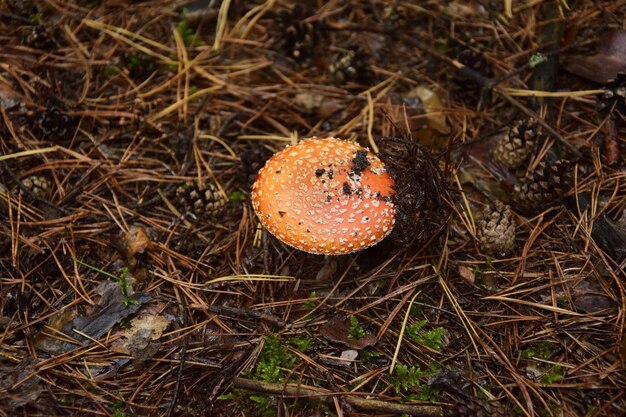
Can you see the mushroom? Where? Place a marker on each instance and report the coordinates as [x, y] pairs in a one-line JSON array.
[[325, 196]]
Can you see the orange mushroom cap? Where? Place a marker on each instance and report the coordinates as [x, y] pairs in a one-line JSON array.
[[325, 196]]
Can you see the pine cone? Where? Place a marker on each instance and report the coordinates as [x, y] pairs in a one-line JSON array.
[[40, 186], [395, 17], [349, 65], [542, 187], [496, 230], [518, 143], [54, 124], [613, 100], [40, 38], [296, 38], [202, 199]]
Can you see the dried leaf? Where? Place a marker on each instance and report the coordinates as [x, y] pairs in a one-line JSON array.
[[433, 107], [19, 384], [467, 274], [137, 240], [327, 270], [465, 9], [109, 311], [349, 355], [609, 60], [337, 330], [144, 329], [590, 303], [9, 98]]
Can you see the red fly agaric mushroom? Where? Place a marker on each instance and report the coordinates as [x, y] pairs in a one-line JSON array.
[[325, 196]]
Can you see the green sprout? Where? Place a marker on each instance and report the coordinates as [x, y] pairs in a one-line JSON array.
[[237, 197], [36, 18], [122, 279], [187, 33]]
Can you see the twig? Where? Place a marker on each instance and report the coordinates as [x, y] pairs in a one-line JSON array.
[[378, 406]]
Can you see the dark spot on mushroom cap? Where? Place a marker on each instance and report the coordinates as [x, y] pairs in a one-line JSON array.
[[319, 172], [281, 213], [360, 162], [346, 188], [330, 174]]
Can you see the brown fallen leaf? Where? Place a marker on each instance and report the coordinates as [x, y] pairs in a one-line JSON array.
[[9, 98], [433, 107], [137, 240], [19, 384], [337, 330], [144, 329], [608, 61], [106, 314], [467, 274]]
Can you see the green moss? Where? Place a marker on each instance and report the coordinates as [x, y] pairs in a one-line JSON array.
[[432, 338], [554, 375], [118, 409], [356, 332], [541, 350], [310, 303], [369, 356], [301, 343], [110, 71], [237, 197], [274, 360], [187, 33], [405, 379]]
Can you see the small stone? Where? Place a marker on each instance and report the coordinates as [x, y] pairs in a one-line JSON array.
[[496, 230], [295, 36]]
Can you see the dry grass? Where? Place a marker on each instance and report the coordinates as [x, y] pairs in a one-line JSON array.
[[116, 108]]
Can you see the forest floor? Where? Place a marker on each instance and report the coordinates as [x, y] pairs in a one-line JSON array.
[[135, 278]]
